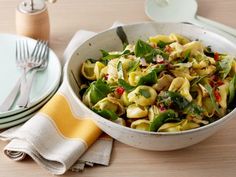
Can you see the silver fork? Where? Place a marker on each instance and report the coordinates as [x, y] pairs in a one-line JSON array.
[[40, 57], [22, 61]]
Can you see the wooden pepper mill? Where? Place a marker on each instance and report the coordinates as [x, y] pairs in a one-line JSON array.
[[32, 20]]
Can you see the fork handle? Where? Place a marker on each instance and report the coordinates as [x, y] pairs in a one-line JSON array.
[[25, 92], [9, 100]]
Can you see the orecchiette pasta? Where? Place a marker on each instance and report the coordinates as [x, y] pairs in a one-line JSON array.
[[88, 70], [143, 95], [136, 111], [176, 127], [120, 121], [158, 38], [111, 104], [141, 124], [194, 47], [179, 38], [134, 77], [153, 112], [97, 69], [181, 85]]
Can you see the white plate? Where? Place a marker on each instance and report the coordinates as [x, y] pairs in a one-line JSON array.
[[21, 115], [16, 122], [44, 83]]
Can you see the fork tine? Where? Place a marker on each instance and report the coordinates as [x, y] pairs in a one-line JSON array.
[[33, 53], [27, 49], [20, 51], [24, 51], [38, 51], [41, 50], [17, 55], [43, 54]]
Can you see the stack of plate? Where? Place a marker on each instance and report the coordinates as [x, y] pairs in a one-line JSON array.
[[44, 86]]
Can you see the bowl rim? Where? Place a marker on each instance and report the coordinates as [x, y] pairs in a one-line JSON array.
[[84, 107]]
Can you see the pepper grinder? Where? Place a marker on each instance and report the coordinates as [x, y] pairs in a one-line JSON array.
[[32, 20]]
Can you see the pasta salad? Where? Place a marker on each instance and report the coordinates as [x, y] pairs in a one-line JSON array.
[[166, 84]]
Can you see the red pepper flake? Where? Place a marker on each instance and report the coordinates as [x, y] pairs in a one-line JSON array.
[[217, 95], [120, 90], [160, 59], [106, 76], [162, 108], [214, 78], [212, 83], [219, 82], [216, 56], [168, 49], [216, 81]]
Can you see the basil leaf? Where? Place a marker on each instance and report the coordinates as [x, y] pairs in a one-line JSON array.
[[145, 93], [177, 101], [186, 56], [224, 66], [232, 89], [149, 79], [193, 109], [163, 44], [82, 91], [197, 80], [98, 90], [125, 85], [133, 66], [104, 53], [120, 70], [159, 69], [107, 114], [161, 118], [144, 50], [212, 97], [107, 56], [208, 52]]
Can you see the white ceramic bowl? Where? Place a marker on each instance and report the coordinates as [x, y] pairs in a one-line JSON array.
[[109, 41]]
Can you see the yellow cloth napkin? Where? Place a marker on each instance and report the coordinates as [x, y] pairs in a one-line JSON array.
[[56, 137]]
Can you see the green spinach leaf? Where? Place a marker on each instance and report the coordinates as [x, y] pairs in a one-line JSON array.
[[197, 80], [177, 101], [163, 44], [212, 97], [98, 90], [232, 89], [149, 79], [161, 118], [107, 114], [106, 56], [145, 93], [208, 52], [125, 85], [224, 66], [144, 50], [133, 65]]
